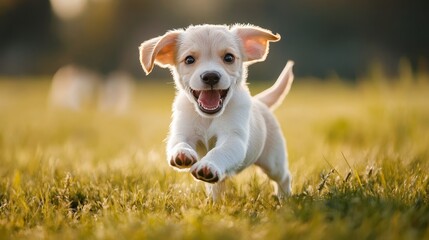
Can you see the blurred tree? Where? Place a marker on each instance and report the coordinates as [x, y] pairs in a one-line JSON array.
[[323, 37]]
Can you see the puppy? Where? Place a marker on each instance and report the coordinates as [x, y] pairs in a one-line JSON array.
[[218, 129]]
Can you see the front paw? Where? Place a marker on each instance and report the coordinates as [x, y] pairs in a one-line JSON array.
[[206, 172], [183, 158]]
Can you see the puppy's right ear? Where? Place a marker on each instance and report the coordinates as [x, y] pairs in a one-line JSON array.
[[160, 51]]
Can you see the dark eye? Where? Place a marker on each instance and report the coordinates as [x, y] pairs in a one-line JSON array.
[[189, 60], [228, 58]]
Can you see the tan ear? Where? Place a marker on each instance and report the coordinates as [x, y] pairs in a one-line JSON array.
[[255, 42], [160, 50]]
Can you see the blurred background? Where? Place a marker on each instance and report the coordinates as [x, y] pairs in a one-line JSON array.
[[325, 38]]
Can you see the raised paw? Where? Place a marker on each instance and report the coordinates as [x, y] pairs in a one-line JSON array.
[[183, 159], [206, 172]]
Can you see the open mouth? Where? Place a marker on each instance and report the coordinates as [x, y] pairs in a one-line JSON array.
[[210, 101]]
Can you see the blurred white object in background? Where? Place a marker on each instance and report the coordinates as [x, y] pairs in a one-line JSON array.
[[116, 93], [68, 9], [74, 88]]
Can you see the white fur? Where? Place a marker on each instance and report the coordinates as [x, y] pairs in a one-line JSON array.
[[244, 132]]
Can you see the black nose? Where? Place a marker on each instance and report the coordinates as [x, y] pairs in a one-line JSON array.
[[210, 77]]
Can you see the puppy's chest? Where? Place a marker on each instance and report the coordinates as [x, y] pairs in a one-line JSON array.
[[206, 137], [203, 148]]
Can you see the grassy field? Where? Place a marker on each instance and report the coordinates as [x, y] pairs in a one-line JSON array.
[[359, 155]]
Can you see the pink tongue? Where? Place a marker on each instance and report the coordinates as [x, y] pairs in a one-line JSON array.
[[209, 99]]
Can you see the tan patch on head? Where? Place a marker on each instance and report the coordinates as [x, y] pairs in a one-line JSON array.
[[207, 41]]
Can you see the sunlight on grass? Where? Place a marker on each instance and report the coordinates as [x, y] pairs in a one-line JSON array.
[[358, 154]]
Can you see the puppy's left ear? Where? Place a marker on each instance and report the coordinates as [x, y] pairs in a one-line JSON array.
[[255, 42], [160, 50]]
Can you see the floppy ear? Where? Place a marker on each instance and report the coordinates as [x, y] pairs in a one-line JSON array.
[[160, 50], [255, 42]]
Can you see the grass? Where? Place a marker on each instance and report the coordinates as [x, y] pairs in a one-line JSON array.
[[358, 153]]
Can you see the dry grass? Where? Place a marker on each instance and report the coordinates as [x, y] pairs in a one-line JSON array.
[[358, 153]]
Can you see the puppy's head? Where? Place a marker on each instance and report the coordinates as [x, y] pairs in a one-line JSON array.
[[208, 62]]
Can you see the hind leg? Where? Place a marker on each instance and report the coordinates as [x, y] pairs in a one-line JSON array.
[[281, 177], [274, 163], [282, 185], [216, 191]]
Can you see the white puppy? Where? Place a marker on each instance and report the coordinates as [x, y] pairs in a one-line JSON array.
[[218, 129]]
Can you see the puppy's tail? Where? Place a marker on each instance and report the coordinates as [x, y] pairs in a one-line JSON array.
[[274, 96]]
